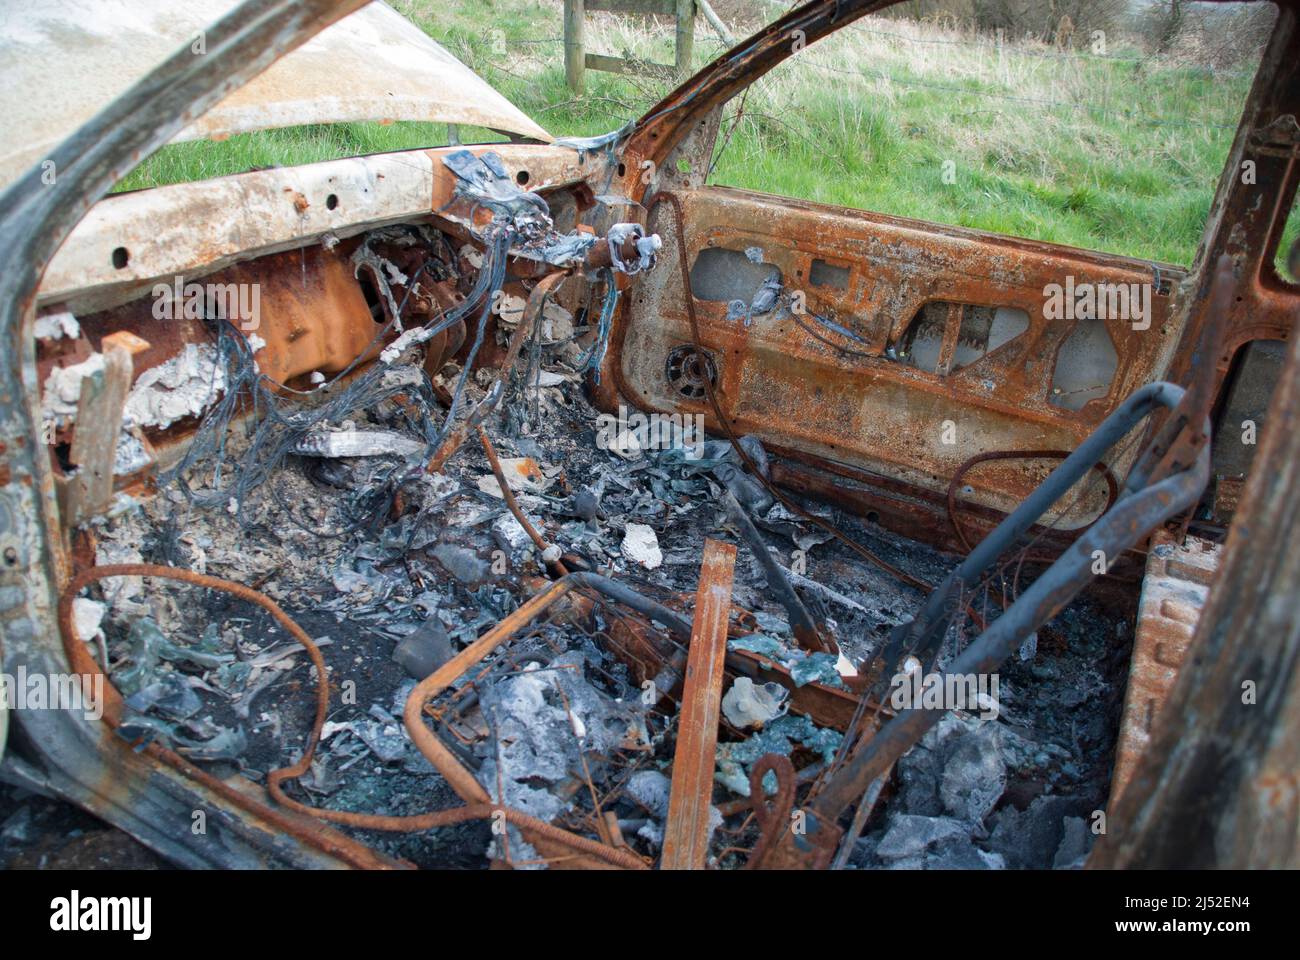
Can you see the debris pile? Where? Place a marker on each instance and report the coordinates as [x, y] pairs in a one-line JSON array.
[[412, 513], [558, 725]]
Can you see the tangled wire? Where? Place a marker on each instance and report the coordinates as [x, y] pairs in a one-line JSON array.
[[280, 420]]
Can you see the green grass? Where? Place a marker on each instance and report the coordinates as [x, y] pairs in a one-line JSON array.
[[1118, 153], [201, 159]]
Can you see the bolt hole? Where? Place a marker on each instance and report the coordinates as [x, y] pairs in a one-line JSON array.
[[873, 517], [521, 177], [622, 169], [121, 257], [331, 201]]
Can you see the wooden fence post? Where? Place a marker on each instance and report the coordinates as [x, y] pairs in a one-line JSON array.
[[575, 12], [685, 37], [577, 60]]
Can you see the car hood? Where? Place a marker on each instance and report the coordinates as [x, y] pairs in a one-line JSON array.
[[61, 61]]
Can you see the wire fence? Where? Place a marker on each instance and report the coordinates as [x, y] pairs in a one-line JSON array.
[[993, 44], [990, 46]]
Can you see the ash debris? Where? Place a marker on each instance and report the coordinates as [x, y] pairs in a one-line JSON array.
[[394, 570]]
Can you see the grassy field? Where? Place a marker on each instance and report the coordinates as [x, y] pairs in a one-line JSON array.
[[1118, 152]]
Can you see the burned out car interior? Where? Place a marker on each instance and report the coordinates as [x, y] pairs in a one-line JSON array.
[[541, 504]]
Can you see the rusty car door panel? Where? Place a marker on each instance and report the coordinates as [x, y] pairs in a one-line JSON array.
[[839, 381]]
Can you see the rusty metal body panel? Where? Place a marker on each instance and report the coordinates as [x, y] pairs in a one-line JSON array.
[[848, 401], [191, 229], [372, 65], [312, 316], [686, 832]]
